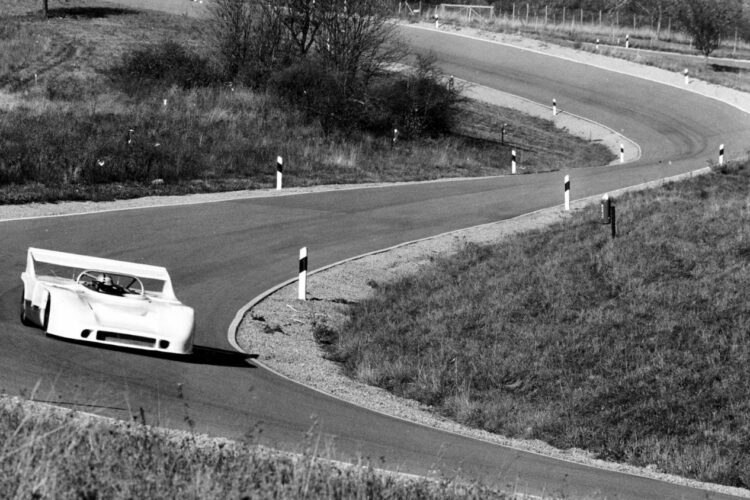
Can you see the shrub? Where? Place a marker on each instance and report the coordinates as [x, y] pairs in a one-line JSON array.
[[419, 104], [167, 63], [319, 91]]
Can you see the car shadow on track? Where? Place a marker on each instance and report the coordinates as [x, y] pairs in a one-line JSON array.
[[219, 357]]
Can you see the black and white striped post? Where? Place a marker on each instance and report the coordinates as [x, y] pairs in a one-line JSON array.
[[687, 77], [279, 171], [721, 154], [627, 41], [554, 107], [567, 192], [302, 293], [605, 205], [622, 153], [513, 161]]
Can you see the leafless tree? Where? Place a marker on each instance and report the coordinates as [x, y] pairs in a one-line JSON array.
[[357, 39], [233, 31], [301, 18]]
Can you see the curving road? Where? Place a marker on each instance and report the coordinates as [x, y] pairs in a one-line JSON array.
[[222, 254]]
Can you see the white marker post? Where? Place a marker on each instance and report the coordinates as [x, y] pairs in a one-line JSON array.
[[554, 107], [279, 171], [597, 45], [687, 77], [567, 193], [513, 161], [627, 41], [721, 155], [622, 153], [302, 274], [437, 22]]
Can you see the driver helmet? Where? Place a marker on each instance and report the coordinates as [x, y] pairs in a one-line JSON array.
[[105, 279]]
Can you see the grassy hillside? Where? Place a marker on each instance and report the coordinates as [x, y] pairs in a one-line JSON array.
[[635, 348], [74, 127]]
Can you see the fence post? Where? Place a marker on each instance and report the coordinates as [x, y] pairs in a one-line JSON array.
[[302, 292]]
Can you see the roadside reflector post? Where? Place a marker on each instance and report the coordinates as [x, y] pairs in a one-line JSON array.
[[613, 218], [554, 107], [502, 134], [395, 138], [627, 41], [605, 206], [437, 21], [597, 45], [721, 155], [279, 171], [622, 153], [687, 77], [567, 192], [513, 161], [302, 294]]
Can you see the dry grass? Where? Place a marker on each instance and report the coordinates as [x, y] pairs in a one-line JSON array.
[[48, 453], [633, 348]]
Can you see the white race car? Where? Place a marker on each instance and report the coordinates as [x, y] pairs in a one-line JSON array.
[[105, 301]]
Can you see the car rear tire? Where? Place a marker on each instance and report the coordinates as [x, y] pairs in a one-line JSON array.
[[45, 323], [24, 318]]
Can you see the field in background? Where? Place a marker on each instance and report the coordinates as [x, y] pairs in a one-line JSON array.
[[634, 348], [66, 131], [674, 48]]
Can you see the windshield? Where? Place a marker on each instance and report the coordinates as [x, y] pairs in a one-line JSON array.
[[110, 283]]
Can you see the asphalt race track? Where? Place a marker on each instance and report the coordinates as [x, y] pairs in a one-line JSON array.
[[221, 255]]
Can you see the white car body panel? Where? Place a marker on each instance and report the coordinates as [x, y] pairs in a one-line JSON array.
[[150, 319]]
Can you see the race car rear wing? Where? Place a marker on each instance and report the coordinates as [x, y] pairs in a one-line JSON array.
[[99, 264]]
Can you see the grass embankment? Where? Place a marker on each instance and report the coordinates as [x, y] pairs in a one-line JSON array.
[[635, 348], [672, 45], [66, 133], [54, 454]]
